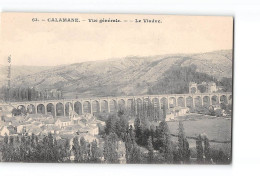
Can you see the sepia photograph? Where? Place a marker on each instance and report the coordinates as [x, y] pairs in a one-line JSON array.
[[116, 88]]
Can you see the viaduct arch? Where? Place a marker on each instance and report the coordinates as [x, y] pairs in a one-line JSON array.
[[113, 104]]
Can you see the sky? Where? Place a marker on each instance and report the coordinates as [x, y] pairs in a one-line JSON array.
[[46, 43]]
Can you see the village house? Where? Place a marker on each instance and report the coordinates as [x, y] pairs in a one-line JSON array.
[[49, 122], [21, 128], [90, 129], [34, 130], [7, 130], [121, 152], [63, 122], [172, 113], [220, 112], [36, 123], [89, 119], [53, 129], [6, 111], [4, 131], [72, 128]]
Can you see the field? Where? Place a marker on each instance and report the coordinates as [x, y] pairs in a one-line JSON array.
[[215, 128]]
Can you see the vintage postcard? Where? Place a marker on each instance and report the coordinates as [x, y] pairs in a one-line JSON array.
[[116, 88]]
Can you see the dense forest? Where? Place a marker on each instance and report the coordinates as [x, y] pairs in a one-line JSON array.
[[176, 81]]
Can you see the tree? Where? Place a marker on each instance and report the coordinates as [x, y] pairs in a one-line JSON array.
[[133, 152], [122, 127], [95, 152], [164, 112], [5, 149], [199, 149], [219, 157], [83, 150], [168, 149], [207, 150], [110, 148], [161, 134], [30, 149], [202, 88], [135, 155], [16, 112], [128, 147], [150, 150], [121, 111], [16, 149], [76, 149], [183, 145], [111, 124], [131, 133], [57, 155], [67, 150], [138, 131], [176, 80], [227, 84], [23, 148], [223, 106], [163, 127], [51, 153]]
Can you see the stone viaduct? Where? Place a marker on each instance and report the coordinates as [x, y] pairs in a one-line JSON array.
[[112, 104]]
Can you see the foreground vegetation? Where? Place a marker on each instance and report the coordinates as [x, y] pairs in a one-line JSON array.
[[143, 143]]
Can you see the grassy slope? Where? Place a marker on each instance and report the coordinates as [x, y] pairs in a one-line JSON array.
[[129, 76]]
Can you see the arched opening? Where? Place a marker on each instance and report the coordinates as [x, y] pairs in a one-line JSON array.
[[198, 102], [206, 101], [86, 107], [189, 102], [121, 104], [164, 103], [148, 108], [172, 102], [223, 99], [181, 102], [95, 105], [155, 102], [22, 109], [78, 108], [40, 109], [113, 106], [59, 109], [68, 108], [139, 105], [146, 104], [51, 109], [130, 106], [156, 105], [31, 109], [224, 102], [104, 106], [214, 100]]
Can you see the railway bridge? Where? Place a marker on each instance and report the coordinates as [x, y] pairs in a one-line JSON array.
[[112, 104]]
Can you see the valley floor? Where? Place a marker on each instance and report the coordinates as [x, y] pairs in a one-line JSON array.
[[215, 128]]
